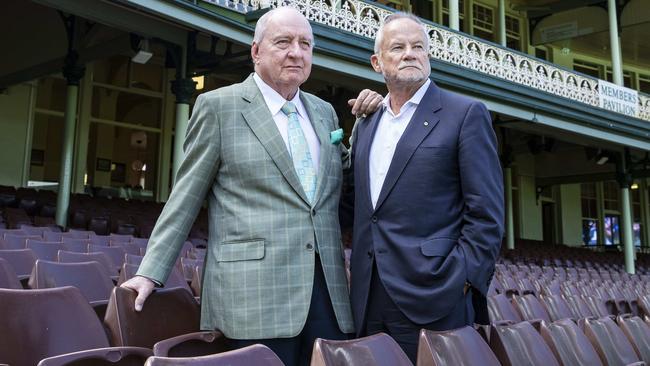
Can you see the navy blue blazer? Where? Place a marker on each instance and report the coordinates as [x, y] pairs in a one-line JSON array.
[[439, 218]]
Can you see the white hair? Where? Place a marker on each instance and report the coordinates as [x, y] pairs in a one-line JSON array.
[[260, 27], [395, 16]]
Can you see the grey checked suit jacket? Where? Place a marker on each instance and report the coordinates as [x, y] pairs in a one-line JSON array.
[[259, 265]]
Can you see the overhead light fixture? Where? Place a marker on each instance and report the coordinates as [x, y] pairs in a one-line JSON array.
[[143, 54], [200, 82], [634, 186]]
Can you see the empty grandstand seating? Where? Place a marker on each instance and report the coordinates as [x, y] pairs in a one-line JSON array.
[[256, 354], [462, 346]]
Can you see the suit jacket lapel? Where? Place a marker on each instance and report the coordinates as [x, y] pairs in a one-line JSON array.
[[259, 119], [364, 155], [319, 124], [421, 124]]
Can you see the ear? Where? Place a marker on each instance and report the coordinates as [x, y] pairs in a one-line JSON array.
[[376, 64], [255, 52]]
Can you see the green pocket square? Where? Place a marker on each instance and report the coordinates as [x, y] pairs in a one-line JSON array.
[[336, 136]]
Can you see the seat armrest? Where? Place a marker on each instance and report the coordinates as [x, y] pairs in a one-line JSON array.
[[162, 348], [112, 354]]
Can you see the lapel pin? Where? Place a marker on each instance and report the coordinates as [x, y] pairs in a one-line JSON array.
[[426, 123]]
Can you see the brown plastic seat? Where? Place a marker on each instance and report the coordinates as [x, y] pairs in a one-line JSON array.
[[197, 283], [52, 322], [257, 354], [18, 241], [520, 344], [22, 261], [34, 230], [188, 265], [104, 240], [75, 244], [531, 309], [8, 278], [609, 341], [175, 279], [127, 247], [90, 278], [191, 345], [144, 329], [500, 308], [556, 307], [122, 238], [52, 236], [65, 256], [578, 307], [569, 343], [375, 350], [463, 346], [80, 234], [598, 307], [133, 259], [44, 249], [638, 333], [115, 253], [644, 304]]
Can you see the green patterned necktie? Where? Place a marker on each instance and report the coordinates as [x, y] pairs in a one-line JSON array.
[[299, 150]]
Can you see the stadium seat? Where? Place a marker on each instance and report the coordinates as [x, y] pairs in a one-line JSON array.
[[638, 333], [256, 354], [191, 345], [65, 256], [569, 343], [196, 283], [609, 341], [53, 322], [122, 238], [116, 254], [531, 309], [13, 241], [90, 278], [500, 308], [599, 307], [53, 236], [44, 249], [556, 307], [520, 344], [22, 260], [375, 350], [104, 240], [79, 234], [133, 259], [188, 265], [75, 245], [463, 346], [8, 278], [578, 307], [144, 329]]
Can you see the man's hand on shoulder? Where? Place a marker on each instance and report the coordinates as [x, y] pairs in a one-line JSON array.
[[143, 286], [367, 102]]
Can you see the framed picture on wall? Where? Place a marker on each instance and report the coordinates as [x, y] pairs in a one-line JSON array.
[[38, 157], [119, 173], [103, 165]]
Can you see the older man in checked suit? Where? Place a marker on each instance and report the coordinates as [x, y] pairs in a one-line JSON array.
[[268, 158]]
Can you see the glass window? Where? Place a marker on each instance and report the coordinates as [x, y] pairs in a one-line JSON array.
[[611, 190], [627, 77], [541, 53], [513, 33], [461, 14], [586, 68], [589, 232], [612, 230], [589, 213], [483, 22], [644, 83]]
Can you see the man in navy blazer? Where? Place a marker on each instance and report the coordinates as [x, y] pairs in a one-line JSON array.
[[428, 199]]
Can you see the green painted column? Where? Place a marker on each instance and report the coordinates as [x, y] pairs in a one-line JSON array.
[[625, 182], [454, 15], [73, 73], [510, 223], [615, 43], [183, 89], [502, 23]]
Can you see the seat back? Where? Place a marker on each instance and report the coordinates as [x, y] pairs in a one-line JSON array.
[[500, 308], [569, 343], [143, 329], [578, 307], [557, 307], [52, 235], [90, 278], [257, 354], [75, 244], [531, 309], [74, 257], [609, 341], [45, 323], [375, 350], [597, 306], [520, 344], [44, 249], [22, 261], [8, 278], [638, 333], [463, 346], [13, 241]]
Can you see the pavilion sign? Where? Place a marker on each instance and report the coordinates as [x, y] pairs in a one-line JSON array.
[[618, 99]]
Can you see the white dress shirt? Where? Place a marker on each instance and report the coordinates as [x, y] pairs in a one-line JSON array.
[[274, 101], [390, 130]]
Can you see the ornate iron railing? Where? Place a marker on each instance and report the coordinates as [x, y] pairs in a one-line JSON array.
[[457, 48]]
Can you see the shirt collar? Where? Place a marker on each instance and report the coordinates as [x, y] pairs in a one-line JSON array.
[[274, 100], [415, 99]]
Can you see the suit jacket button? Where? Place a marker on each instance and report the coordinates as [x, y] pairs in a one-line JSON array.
[[374, 219], [310, 246]]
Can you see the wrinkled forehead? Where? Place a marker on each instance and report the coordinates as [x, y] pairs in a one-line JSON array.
[[289, 23], [403, 30]]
